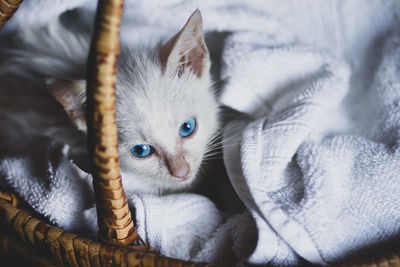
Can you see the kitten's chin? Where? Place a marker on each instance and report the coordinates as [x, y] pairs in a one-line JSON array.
[[178, 184], [134, 184]]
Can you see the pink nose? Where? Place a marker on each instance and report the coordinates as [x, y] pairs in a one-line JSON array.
[[181, 172], [178, 167]]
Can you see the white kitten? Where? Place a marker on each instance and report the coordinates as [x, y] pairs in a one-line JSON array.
[[166, 109]]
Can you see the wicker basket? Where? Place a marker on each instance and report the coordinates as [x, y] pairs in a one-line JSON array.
[[29, 240]]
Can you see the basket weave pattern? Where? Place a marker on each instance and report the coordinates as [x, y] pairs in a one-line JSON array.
[[114, 217], [7, 9], [31, 236]]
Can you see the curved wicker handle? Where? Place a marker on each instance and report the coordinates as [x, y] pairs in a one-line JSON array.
[[114, 217], [37, 242], [7, 10]]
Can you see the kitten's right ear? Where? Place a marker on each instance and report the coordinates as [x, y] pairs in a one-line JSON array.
[[72, 96], [186, 51]]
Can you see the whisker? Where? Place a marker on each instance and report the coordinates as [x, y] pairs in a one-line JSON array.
[[212, 153], [220, 144], [212, 158], [223, 138]]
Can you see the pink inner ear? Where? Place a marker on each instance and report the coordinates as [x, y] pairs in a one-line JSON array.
[[165, 51], [186, 50], [71, 95], [193, 57]]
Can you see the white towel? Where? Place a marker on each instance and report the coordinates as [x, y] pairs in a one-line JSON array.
[[324, 186], [177, 225], [49, 183], [36, 13]]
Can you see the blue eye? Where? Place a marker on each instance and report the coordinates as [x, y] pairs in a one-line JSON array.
[[187, 127], [142, 151]]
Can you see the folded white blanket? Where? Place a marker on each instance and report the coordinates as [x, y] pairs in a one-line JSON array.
[[326, 193], [315, 160]]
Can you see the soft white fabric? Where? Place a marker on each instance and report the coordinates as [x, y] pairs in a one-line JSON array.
[[177, 225], [346, 26], [49, 183], [36, 13], [316, 160], [325, 192], [187, 222]]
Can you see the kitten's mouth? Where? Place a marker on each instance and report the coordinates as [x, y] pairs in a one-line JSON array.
[[187, 177], [181, 179]]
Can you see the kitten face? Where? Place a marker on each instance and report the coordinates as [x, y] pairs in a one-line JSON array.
[[152, 106], [160, 91]]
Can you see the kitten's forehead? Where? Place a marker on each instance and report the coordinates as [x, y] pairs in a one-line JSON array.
[[152, 105]]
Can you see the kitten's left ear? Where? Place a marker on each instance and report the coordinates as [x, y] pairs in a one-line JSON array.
[[72, 96], [187, 49]]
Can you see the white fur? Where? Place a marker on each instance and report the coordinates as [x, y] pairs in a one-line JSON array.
[[151, 105]]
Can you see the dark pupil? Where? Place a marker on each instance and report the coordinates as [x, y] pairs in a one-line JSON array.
[[186, 126], [139, 150]]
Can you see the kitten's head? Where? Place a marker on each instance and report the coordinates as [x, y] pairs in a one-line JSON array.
[[166, 111]]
